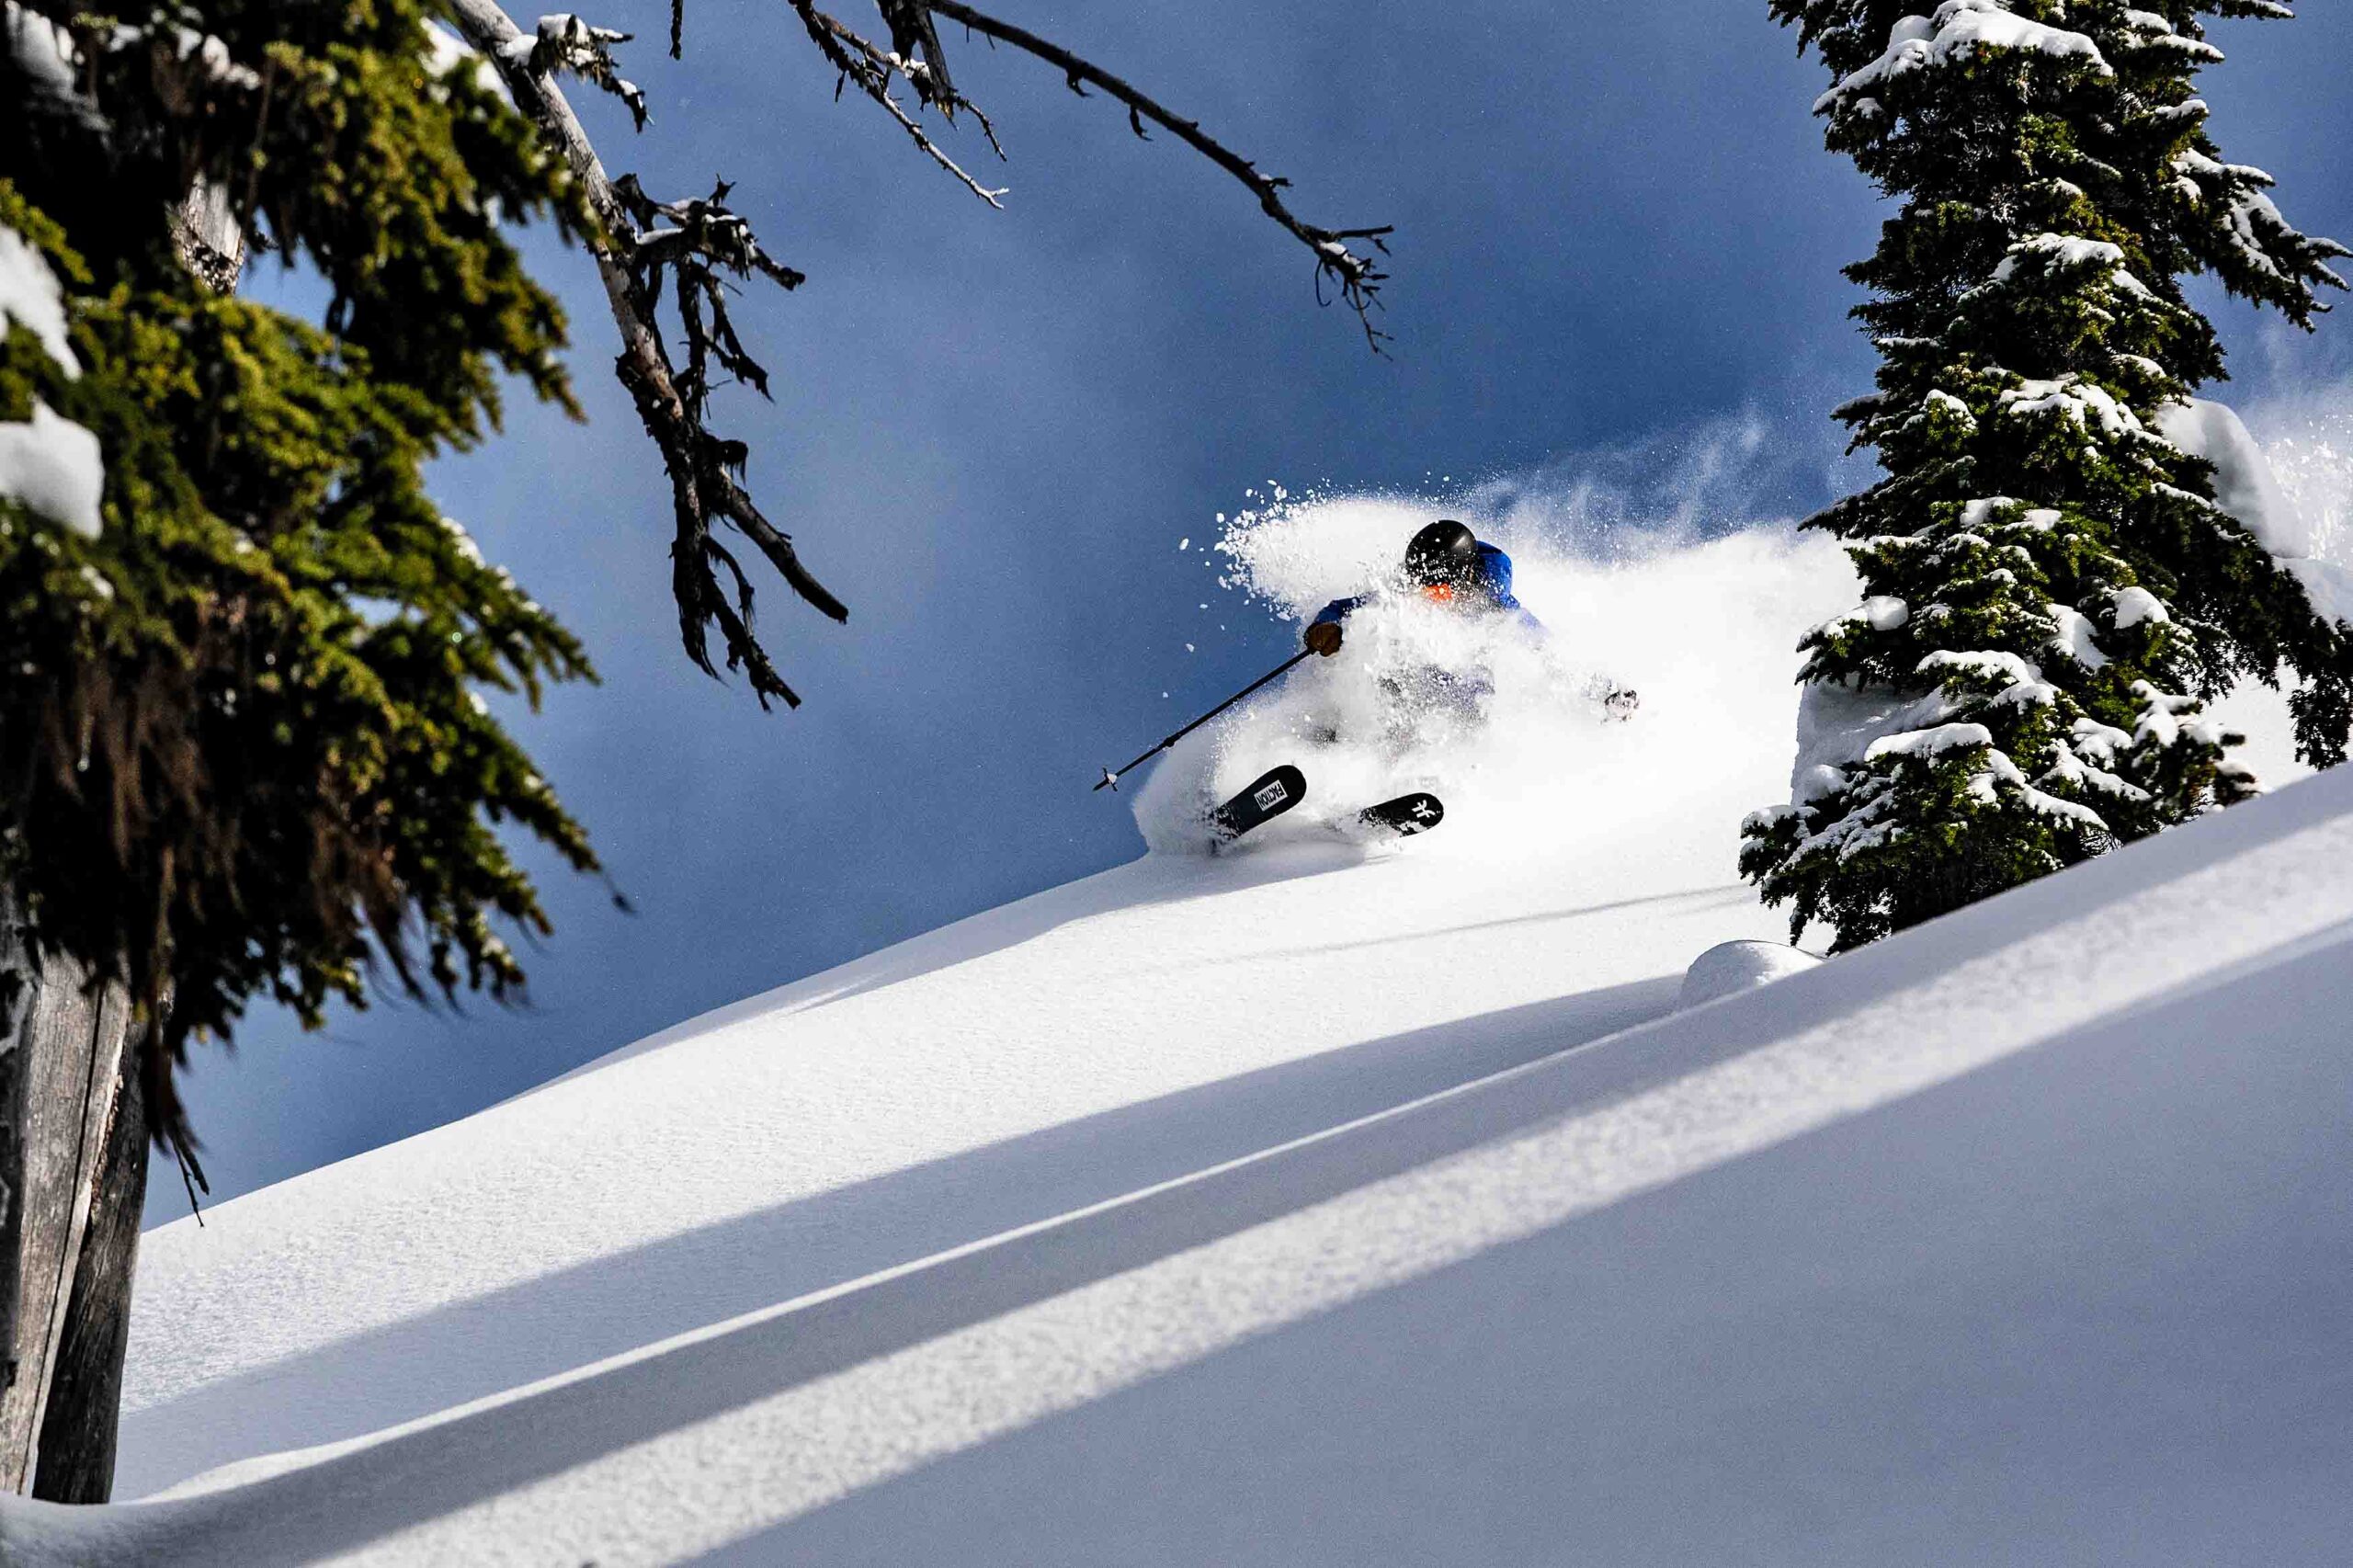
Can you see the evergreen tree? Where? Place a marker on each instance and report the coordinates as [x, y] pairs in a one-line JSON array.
[[2053, 593], [243, 746], [242, 743]]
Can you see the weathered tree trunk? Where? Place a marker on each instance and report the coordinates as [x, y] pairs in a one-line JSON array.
[[69, 1059], [209, 239], [77, 1429], [73, 1147], [17, 978]]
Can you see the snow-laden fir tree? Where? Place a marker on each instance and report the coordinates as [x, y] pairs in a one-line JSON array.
[[2052, 593]]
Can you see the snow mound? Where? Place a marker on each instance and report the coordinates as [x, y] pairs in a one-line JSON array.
[[1729, 968]]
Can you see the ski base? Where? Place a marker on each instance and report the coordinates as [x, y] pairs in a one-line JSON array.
[[1265, 798], [1405, 815]]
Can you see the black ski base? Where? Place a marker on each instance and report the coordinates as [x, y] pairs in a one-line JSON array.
[[1279, 789], [1405, 815], [1268, 797]]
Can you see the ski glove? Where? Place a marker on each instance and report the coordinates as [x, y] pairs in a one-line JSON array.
[[1323, 638]]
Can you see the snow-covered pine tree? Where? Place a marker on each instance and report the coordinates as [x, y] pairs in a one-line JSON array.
[[2052, 593]]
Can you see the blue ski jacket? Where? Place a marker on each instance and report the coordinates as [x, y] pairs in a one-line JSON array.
[[1495, 584]]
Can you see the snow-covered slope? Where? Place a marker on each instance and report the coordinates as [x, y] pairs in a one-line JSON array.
[[1320, 1204], [1123, 1030]]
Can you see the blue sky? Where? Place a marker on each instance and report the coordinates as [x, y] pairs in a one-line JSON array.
[[1617, 230]]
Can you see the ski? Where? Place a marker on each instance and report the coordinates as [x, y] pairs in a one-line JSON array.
[[1405, 815], [1268, 797]]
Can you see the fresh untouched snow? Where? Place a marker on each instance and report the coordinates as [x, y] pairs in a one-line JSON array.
[[1322, 1201]]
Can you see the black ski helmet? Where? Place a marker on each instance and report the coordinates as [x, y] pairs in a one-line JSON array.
[[1445, 551]]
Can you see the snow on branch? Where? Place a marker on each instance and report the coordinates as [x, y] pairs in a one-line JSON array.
[[31, 297], [1959, 33], [56, 468], [2253, 245], [49, 463], [564, 42]]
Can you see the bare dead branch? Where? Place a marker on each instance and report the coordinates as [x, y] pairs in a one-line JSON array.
[[861, 62], [638, 240], [941, 157], [911, 29], [695, 239], [648, 250], [564, 42], [1358, 276]]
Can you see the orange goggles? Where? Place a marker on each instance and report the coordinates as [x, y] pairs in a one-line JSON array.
[[1438, 593]]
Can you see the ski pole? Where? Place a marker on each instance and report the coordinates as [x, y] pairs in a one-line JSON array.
[[1112, 779]]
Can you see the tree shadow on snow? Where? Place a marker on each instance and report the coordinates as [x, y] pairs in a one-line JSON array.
[[606, 1307]]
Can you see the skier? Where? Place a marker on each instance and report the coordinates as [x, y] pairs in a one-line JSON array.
[[1447, 564]]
